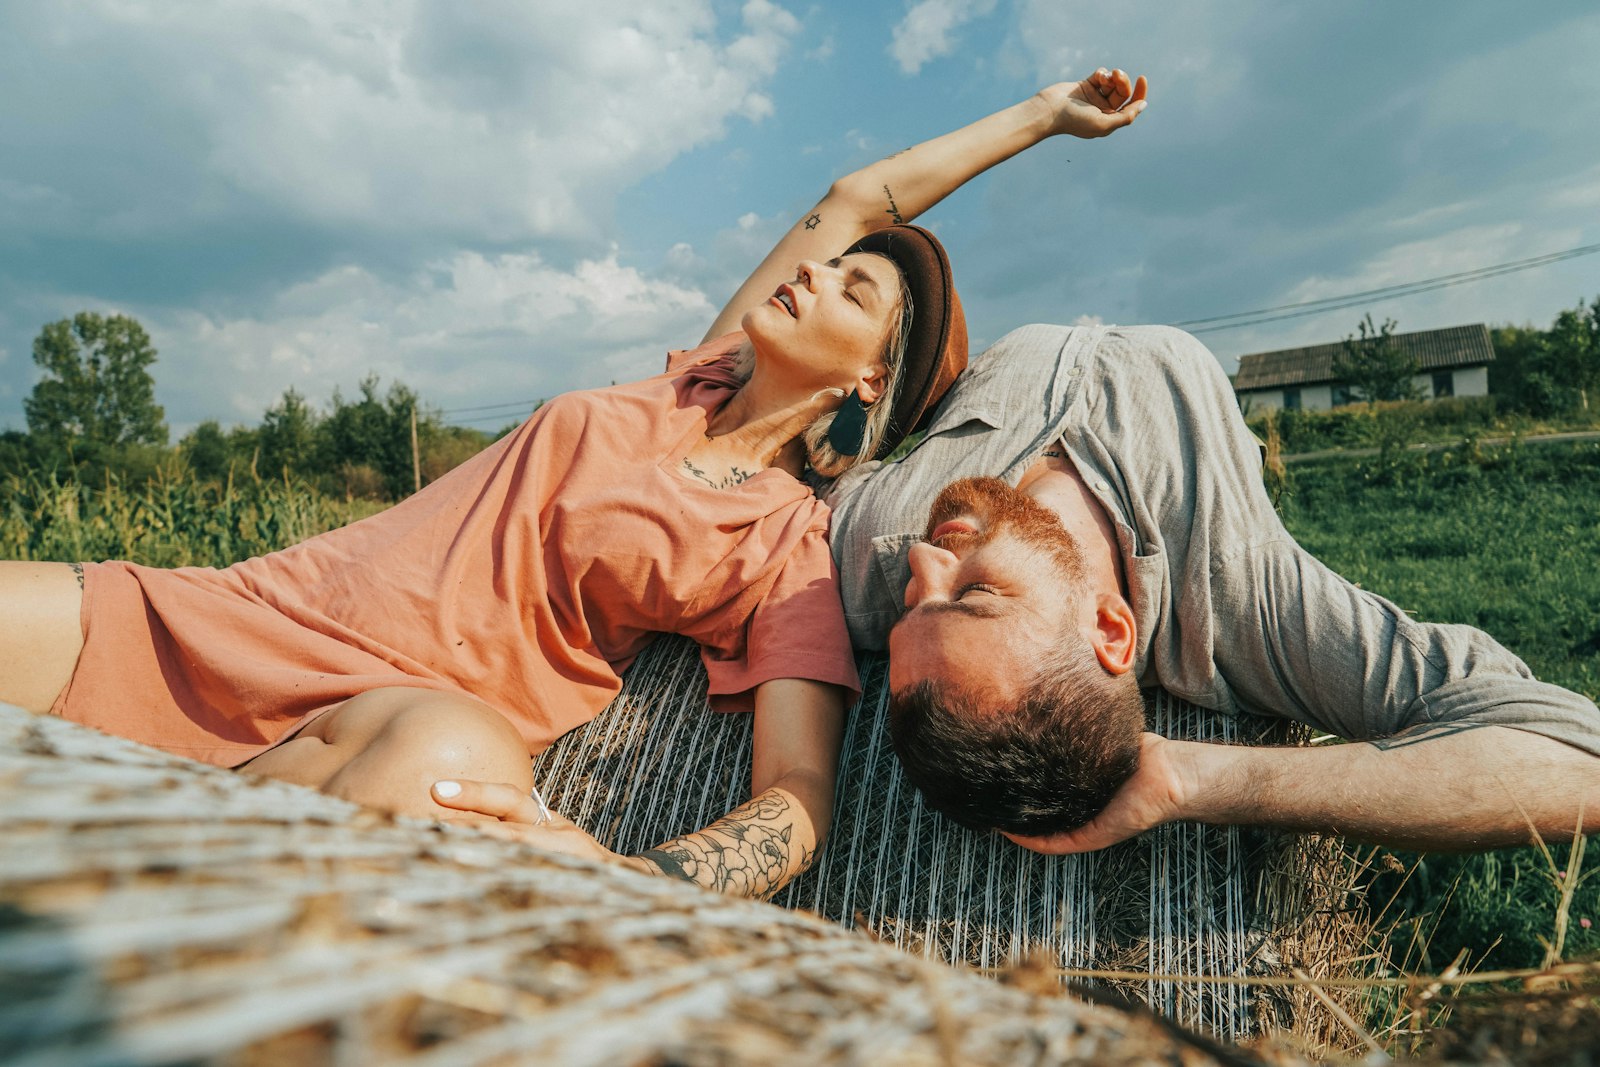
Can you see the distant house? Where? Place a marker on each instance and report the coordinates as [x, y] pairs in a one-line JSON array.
[[1451, 362]]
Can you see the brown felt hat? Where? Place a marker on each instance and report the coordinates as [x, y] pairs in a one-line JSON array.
[[936, 352]]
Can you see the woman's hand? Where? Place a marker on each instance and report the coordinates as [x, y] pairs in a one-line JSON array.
[[1154, 795], [1103, 102], [515, 816]]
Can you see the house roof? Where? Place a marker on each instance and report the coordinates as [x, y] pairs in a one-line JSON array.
[[1454, 346]]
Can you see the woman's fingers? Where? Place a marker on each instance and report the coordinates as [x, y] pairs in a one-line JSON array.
[[495, 799], [1122, 87]]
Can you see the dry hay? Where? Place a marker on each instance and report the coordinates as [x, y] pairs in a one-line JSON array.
[[1547, 1022], [1185, 901], [154, 910]]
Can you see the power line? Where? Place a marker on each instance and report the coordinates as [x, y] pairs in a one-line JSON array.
[[528, 404], [1387, 292], [511, 418]]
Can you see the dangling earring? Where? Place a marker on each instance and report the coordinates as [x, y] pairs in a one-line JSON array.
[[848, 430]]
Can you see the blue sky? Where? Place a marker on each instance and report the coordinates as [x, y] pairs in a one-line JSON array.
[[499, 201]]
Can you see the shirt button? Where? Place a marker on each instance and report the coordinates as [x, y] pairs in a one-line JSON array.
[[1101, 485]]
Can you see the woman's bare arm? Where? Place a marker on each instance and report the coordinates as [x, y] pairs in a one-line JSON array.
[[752, 851], [755, 849], [900, 188]]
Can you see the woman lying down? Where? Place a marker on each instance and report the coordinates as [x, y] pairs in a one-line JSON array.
[[414, 660]]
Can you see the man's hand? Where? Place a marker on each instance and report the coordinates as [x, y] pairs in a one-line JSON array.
[[515, 816], [1103, 102], [1153, 795]]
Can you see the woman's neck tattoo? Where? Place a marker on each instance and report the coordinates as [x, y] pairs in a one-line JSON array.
[[735, 476]]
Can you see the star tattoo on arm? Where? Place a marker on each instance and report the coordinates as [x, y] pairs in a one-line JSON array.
[[813, 221], [749, 852]]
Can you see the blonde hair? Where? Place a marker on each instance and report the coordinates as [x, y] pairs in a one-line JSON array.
[[829, 461]]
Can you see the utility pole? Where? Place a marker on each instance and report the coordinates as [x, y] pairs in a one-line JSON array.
[[416, 458]]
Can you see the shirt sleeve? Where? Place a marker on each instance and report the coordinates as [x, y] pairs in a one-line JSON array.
[[717, 348], [1349, 662], [796, 631]]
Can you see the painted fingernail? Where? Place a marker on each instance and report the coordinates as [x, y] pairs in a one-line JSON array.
[[447, 789]]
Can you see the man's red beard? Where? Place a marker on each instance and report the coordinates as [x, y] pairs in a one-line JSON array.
[[1001, 509]]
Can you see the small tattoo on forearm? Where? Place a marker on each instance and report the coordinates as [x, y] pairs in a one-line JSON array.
[[893, 155], [893, 211], [813, 221], [77, 570], [735, 476]]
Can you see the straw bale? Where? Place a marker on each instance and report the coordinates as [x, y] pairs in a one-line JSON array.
[[154, 910]]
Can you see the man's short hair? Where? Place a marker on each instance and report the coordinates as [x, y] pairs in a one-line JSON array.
[[1046, 765]]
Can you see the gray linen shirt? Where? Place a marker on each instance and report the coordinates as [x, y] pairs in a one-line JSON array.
[[1232, 614]]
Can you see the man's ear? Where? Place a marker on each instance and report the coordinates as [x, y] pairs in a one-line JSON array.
[[871, 383], [1115, 638]]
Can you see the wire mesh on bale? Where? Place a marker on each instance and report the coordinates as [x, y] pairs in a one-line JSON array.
[[1185, 900], [159, 911]]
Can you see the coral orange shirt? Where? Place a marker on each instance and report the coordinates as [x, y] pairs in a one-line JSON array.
[[529, 577]]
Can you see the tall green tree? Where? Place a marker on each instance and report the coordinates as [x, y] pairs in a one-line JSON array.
[[97, 392], [375, 432], [288, 436], [1574, 343], [1374, 367], [1546, 372], [206, 449]]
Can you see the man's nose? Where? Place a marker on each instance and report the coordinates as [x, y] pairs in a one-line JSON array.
[[932, 572]]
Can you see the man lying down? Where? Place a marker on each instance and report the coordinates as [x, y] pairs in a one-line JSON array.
[[1086, 516]]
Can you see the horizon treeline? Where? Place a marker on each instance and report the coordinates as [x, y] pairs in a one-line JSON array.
[[93, 417]]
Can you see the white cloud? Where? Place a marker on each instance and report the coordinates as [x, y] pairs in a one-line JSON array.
[[1457, 250], [924, 33], [1507, 298], [524, 328], [1578, 193], [483, 122]]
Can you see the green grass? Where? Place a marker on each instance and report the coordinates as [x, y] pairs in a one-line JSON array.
[[1506, 539]]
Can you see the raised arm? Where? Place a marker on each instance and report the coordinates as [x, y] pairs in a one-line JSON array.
[[752, 851], [902, 187]]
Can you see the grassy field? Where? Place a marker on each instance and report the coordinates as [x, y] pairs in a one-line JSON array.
[[1507, 539]]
